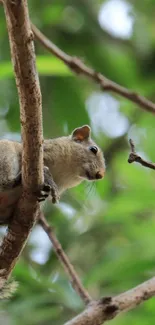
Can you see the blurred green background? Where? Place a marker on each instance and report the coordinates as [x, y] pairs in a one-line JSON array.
[[108, 228]]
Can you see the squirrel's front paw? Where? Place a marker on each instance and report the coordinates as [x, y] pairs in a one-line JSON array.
[[49, 188], [44, 192]]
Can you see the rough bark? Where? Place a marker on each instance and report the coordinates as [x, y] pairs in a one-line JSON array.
[[23, 59], [109, 307]]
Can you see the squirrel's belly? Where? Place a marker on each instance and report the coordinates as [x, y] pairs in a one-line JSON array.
[[8, 202]]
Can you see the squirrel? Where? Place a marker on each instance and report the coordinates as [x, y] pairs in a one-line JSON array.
[[68, 160]]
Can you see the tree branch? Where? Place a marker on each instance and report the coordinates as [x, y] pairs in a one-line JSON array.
[[75, 281], [23, 59], [134, 157], [107, 308], [77, 66]]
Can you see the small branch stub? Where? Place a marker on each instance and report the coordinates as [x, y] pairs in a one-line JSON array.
[[134, 157]]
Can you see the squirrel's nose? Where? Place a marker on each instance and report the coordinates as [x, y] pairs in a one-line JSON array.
[[100, 174]]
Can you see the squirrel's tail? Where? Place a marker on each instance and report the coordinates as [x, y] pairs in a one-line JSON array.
[[8, 289]]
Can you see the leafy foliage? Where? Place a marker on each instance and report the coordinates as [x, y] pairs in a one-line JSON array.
[[107, 229]]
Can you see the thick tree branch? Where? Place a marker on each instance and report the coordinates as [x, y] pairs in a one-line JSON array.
[[107, 308], [77, 66], [75, 281], [134, 157], [23, 59]]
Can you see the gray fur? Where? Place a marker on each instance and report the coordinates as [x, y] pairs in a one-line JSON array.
[[69, 159]]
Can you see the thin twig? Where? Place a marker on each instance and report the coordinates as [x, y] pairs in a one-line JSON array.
[[23, 60], [75, 280], [107, 308], [134, 157], [77, 66]]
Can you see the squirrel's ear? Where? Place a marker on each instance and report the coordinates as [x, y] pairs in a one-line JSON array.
[[82, 133]]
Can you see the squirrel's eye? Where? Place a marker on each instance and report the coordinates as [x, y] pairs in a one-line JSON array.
[[94, 149]]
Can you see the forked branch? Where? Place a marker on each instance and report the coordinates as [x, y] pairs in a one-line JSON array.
[[134, 157], [109, 307]]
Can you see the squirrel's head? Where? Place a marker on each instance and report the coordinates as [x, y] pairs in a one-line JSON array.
[[73, 158], [91, 164]]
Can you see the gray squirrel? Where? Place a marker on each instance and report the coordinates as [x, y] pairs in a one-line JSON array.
[[68, 160]]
